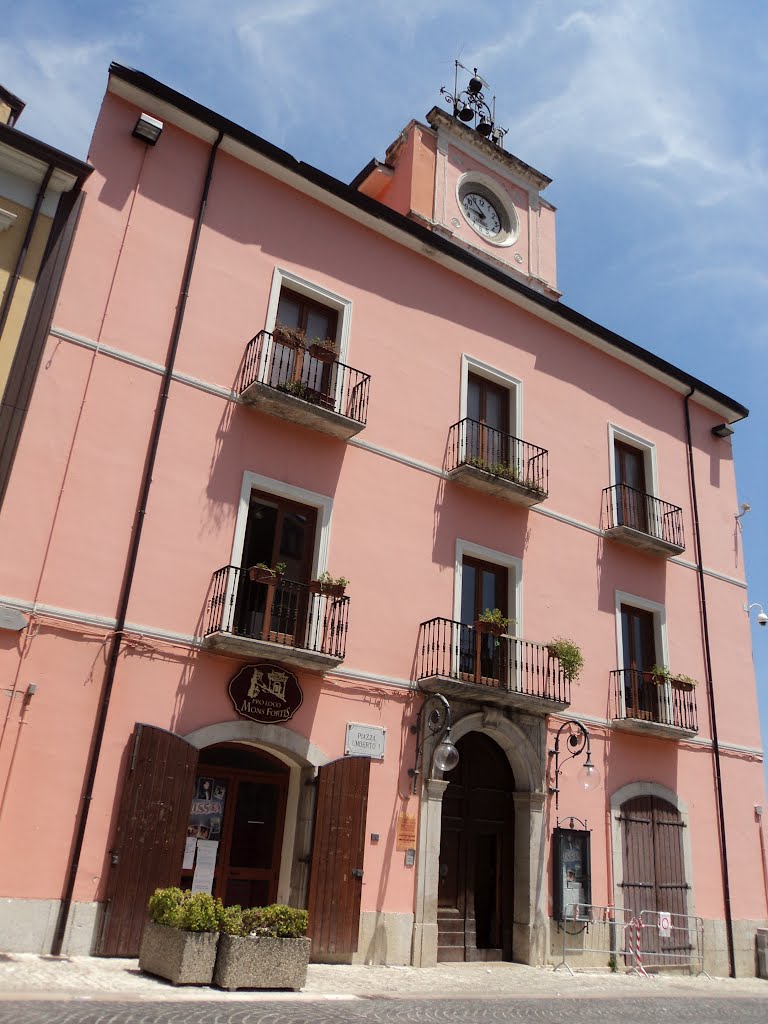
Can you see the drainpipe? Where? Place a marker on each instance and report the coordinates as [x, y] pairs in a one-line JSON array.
[[130, 567], [710, 694], [10, 291]]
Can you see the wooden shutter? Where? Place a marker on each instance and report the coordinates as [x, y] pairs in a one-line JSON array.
[[654, 873], [336, 879], [151, 828]]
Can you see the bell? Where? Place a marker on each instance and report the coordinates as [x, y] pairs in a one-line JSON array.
[[466, 114], [485, 127], [475, 85]]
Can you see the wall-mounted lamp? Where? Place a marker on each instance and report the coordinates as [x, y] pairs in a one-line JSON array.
[[762, 618], [722, 430], [577, 741], [435, 713], [148, 129]]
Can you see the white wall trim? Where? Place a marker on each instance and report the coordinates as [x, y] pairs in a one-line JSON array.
[[469, 364]]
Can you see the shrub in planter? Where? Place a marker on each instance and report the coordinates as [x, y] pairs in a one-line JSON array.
[[568, 654], [180, 939], [262, 573], [326, 584], [264, 947], [492, 621]]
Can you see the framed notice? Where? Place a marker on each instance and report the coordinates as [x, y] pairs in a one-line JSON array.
[[572, 894], [406, 831]]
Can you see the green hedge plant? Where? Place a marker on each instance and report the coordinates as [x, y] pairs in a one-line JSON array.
[[276, 921], [568, 654], [185, 911]]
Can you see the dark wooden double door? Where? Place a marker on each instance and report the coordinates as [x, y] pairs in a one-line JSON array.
[[476, 867], [654, 876], [237, 797]]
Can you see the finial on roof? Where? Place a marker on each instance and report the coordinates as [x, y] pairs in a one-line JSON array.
[[470, 106]]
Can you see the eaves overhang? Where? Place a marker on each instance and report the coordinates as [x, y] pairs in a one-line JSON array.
[[144, 91], [30, 158]]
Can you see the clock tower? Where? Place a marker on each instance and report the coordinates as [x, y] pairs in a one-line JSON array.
[[453, 175]]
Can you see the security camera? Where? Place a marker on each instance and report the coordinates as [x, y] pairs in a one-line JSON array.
[[762, 619]]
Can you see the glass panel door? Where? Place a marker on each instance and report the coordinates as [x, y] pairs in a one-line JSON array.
[[631, 499], [639, 649], [484, 586]]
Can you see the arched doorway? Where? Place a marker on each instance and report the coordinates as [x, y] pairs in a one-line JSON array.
[[476, 874], [239, 803]]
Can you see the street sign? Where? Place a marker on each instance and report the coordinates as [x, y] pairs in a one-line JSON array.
[[665, 924]]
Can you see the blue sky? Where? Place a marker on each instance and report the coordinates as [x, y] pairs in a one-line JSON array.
[[648, 114]]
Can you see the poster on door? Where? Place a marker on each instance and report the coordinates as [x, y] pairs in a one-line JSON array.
[[207, 811]]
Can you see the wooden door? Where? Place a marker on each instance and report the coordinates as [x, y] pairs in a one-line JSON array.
[[641, 695], [295, 369], [151, 829], [277, 530], [476, 869], [631, 499], [484, 586], [654, 874], [336, 874], [488, 429]]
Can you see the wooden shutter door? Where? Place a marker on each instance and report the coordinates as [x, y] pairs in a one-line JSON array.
[[654, 874], [151, 828], [336, 878]]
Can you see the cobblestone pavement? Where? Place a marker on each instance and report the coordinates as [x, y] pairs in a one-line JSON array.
[[26, 976], [388, 1011]]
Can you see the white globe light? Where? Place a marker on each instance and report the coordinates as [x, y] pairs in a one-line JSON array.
[[446, 756], [588, 777]]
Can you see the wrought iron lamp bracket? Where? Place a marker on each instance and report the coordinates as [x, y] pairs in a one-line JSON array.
[[433, 720], [578, 743]]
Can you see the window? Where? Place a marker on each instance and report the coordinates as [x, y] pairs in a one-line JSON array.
[[641, 645], [277, 530], [483, 586], [292, 367]]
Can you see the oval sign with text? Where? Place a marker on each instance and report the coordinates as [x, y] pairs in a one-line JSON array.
[[266, 693]]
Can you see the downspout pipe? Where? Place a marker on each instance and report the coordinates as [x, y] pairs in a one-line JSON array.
[[10, 291], [710, 694], [108, 681]]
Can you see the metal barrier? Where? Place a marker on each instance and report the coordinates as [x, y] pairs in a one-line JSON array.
[[683, 946], [608, 928], [619, 932]]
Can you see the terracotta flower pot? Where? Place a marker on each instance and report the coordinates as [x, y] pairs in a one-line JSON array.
[[323, 354], [493, 628]]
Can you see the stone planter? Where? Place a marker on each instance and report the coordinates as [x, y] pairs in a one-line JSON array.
[[183, 958], [261, 962]]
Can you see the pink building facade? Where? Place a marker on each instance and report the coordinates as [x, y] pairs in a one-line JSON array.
[[256, 375]]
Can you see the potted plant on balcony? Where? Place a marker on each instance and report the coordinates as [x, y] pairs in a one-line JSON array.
[[327, 584], [324, 349], [262, 573], [568, 654], [492, 621], [683, 682], [291, 337], [264, 947], [180, 939], [660, 675]]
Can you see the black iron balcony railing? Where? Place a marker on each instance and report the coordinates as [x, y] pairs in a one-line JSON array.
[[294, 371], [283, 612], [471, 443], [626, 506], [453, 650], [635, 695]]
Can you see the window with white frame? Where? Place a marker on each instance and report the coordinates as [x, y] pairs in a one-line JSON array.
[[641, 646]]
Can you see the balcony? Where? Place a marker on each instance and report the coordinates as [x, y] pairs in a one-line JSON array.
[[642, 521], [497, 463], [459, 661], [293, 384], [638, 704], [283, 620]]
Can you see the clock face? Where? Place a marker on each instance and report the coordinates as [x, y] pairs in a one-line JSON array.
[[481, 214]]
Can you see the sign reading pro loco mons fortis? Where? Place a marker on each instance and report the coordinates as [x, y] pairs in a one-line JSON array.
[[266, 693]]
